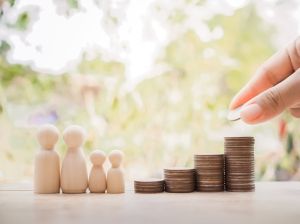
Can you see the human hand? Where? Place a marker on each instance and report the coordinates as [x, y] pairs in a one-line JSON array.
[[274, 87]]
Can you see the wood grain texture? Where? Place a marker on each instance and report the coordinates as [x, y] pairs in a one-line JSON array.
[[273, 202]]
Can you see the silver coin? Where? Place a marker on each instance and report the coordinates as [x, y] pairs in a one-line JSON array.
[[235, 114]]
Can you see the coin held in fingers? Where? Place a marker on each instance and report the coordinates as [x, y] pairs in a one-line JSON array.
[[235, 114]]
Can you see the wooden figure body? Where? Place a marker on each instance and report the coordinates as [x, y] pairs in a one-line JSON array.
[[47, 163], [97, 178], [74, 177], [115, 175]]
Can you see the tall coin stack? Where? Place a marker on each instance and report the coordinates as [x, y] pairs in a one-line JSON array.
[[179, 180], [209, 172], [239, 164]]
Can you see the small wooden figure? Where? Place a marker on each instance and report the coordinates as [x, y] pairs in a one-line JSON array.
[[115, 175], [97, 178], [74, 176], [47, 164]]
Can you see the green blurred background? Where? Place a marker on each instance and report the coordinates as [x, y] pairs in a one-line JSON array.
[[152, 78]]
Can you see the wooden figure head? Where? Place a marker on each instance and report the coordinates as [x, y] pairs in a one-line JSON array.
[[47, 136], [115, 158], [74, 136], [97, 157]]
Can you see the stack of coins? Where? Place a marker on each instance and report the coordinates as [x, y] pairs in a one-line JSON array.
[[179, 180], [149, 185], [239, 164], [209, 172]]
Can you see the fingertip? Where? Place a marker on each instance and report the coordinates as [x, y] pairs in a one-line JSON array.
[[295, 112], [249, 122], [251, 113], [240, 98], [234, 103]]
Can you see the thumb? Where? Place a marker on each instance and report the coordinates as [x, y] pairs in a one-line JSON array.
[[273, 101]]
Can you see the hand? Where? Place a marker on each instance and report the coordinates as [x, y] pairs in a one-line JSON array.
[[274, 88]]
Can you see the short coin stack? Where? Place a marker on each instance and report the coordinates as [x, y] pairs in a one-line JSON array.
[[179, 180], [209, 172], [149, 185], [239, 164]]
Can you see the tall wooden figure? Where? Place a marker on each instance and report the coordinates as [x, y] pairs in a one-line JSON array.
[[115, 175], [74, 177], [97, 178], [47, 164]]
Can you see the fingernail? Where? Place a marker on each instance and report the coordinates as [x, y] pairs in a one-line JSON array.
[[251, 112]]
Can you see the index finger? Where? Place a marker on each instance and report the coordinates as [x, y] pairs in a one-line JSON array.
[[274, 70]]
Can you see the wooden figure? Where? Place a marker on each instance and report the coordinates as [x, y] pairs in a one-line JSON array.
[[47, 163], [115, 175], [97, 178], [74, 176]]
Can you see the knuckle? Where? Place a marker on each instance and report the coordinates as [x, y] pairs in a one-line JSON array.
[[273, 99], [270, 78]]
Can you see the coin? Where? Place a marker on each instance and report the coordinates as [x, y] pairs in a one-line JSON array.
[[209, 172], [235, 114], [179, 179], [149, 185]]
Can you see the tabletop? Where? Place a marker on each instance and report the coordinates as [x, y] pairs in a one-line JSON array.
[[272, 202]]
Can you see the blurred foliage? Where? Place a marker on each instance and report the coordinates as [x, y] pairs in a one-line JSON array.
[[12, 2], [163, 121], [73, 3], [4, 47], [22, 21]]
